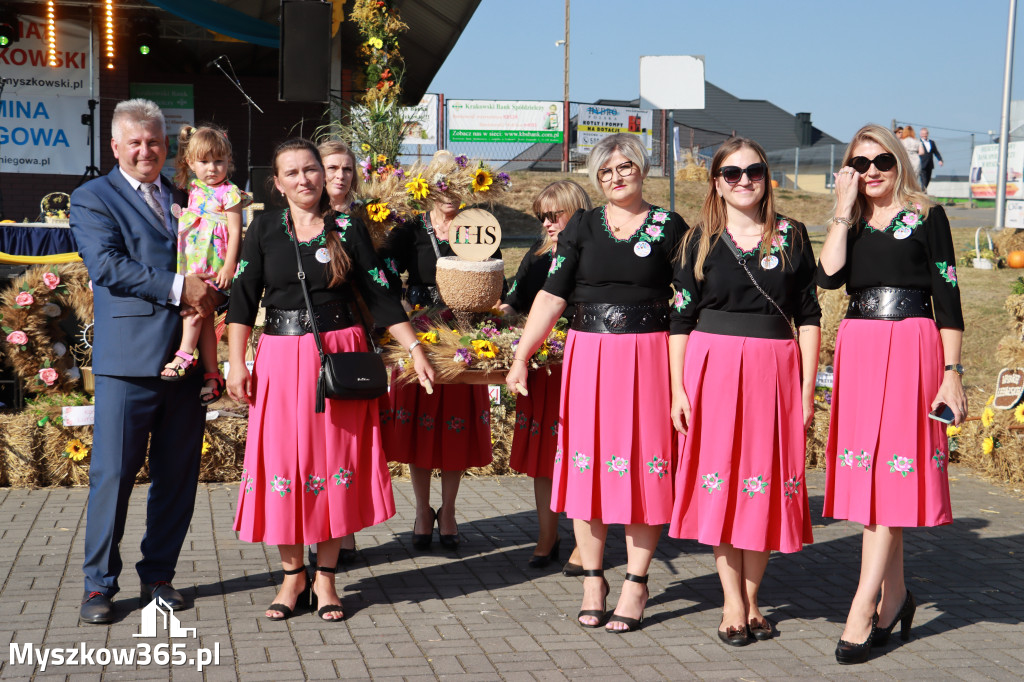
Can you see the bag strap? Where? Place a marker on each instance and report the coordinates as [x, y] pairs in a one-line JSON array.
[[430, 231], [727, 238], [305, 290]]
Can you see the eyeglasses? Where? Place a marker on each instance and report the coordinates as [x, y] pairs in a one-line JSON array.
[[883, 162], [732, 174], [623, 169], [550, 216]]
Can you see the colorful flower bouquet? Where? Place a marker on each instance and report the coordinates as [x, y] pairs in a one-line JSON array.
[[472, 349]]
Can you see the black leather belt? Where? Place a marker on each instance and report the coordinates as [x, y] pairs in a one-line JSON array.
[[329, 317], [889, 303], [752, 325], [606, 318], [422, 294]]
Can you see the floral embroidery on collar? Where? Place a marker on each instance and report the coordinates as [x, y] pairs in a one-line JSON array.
[[780, 242], [947, 272], [681, 300], [318, 240], [909, 218], [651, 230]]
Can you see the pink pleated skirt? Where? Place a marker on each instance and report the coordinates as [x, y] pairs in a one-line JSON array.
[[449, 430], [615, 441], [740, 476], [886, 461], [536, 431], [309, 477]]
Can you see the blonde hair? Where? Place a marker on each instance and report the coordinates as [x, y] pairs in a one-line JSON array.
[[564, 195], [196, 144], [626, 144], [713, 214], [329, 147], [907, 191]]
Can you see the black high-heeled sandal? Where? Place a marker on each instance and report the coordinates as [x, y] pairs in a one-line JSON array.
[[288, 611], [447, 541], [905, 618], [423, 540], [600, 614], [848, 653], [542, 560], [326, 608], [631, 623]]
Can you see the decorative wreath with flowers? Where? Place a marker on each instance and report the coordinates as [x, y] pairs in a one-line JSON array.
[[33, 341], [379, 25]]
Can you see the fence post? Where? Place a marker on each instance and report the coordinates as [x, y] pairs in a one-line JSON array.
[[796, 170], [832, 166], [670, 160], [565, 136], [442, 123]]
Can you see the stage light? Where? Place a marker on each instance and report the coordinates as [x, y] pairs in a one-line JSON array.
[[110, 33], [51, 34], [8, 28], [147, 32]]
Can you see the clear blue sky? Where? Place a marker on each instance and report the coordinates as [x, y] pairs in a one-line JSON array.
[[935, 62]]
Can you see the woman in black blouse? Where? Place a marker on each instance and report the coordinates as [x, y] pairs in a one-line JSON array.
[[886, 460], [308, 478], [536, 430], [449, 429], [737, 392], [615, 443]]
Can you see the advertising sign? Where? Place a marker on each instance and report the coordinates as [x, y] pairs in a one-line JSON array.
[[473, 120], [421, 122], [178, 105], [598, 121], [41, 108], [984, 175]]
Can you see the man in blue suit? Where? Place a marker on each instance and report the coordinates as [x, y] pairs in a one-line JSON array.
[[126, 227]]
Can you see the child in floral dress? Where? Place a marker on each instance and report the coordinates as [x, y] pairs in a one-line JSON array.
[[209, 239]]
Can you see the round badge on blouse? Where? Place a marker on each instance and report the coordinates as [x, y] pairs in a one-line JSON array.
[[769, 262], [642, 249], [175, 210], [323, 255], [902, 232]]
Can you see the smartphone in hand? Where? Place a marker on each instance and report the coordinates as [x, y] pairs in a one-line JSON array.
[[942, 413]]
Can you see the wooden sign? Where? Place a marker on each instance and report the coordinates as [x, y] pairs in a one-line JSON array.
[[1009, 389], [474, 234]]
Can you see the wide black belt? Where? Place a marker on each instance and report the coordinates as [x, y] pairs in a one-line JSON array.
[[889, 303], [422, 294], [606, 318], [752, 325], [329, 317]]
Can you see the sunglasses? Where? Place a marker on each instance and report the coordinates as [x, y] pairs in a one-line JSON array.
[[733, 174], [623, 169], [883, 162], [550, 216]]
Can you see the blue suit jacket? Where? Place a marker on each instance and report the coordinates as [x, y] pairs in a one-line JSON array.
[[131, 260]]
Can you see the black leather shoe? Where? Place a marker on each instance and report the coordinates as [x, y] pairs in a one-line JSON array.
[[96, 609], [735, 636], [542, 560], [760, 630], [161, 589], [450, 542], [848, 653], [571, 570], [905, 618], [422, 541]]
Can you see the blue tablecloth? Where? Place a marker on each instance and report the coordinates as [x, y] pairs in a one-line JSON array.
[[26, 240]]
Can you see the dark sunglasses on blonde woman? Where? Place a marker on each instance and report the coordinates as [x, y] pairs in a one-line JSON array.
[[755, 172], [551, 216], [883, 162]]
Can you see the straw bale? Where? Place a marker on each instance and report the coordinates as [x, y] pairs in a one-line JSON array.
[[833, 304], [19, 447], [1008, 240], [225, 438], [817, 435], [54, 441]]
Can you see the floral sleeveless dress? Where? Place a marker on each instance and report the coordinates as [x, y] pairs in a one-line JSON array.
[[203, 226]]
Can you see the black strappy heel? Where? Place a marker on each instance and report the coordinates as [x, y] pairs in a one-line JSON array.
[[326, 608], [595, 613], [631, 623], [288, 611]]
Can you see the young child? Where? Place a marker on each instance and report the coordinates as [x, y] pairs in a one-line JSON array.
[[209, 240]]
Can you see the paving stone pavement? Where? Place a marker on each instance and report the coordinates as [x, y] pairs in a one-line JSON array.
[[482, 614]]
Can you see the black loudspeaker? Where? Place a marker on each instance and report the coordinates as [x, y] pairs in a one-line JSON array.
[[304, 60], [263, 185]]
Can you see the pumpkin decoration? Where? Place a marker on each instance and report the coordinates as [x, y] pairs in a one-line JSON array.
[[1015, 259]]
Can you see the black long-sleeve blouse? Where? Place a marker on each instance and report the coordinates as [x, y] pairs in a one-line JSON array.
[[267, 269], [591, 265], [910, 253], [726, 287], [529, 280]]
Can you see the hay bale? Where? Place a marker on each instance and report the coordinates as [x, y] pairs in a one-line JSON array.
[[224, 445], [833, 304], [54, 441], [817, 436], [1008, 240], [19, 447]]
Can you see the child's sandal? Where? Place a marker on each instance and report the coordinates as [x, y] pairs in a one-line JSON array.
[[181, 369], [211, 394]]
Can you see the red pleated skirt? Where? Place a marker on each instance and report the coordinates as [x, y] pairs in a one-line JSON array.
[[886, 461], [536, 431], [740, 478], [615, 441], [309, 477], [449, 430]]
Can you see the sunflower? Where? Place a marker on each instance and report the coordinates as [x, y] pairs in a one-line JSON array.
[[484, 348], [987, 417], [378, 212], [952, 431], [427, 337], [366, 147], [206, 447], [382, 159], [418, 188], [375, 42], [1018, 413], [988, 445], [482, 180], [991, 398], [76, 450]]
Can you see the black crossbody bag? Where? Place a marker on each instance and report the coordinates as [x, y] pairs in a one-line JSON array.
[[356, 375]]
